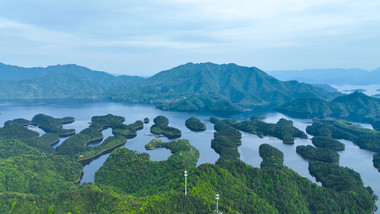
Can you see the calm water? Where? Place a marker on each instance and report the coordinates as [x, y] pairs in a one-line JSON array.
[[352, 156]]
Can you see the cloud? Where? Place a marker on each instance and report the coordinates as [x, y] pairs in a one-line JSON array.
[[223, 31]]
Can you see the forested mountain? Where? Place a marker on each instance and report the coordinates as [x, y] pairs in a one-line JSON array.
[[226, 87], [352, 76], [188, 87], [356, 106], [60, 81]]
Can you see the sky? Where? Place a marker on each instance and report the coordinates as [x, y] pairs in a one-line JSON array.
[[143, 37]]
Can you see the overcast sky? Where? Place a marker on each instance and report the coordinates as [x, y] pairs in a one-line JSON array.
[[143, 37]]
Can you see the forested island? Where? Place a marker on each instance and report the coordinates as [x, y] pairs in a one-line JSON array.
[[327, 142], [161, 127], [283, 129], [340, 129], [194, 124], [320, 154]]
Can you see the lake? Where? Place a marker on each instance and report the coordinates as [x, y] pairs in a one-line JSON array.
[[352, 157]]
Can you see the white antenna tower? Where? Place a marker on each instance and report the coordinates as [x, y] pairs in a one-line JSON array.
[[185, 182], [217, 199]]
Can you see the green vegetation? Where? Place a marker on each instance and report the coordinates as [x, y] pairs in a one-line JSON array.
[[77, 144], [283, 129], [327, 142], [108, 145], [106, 121], [123, 163], [14, 130], [355, 106], [319, 154], [22, 121], [41, 174], [35, 181], [161, 127], [60, 81], [138, 125], [125, 130], [339, 129], [161, 120], [146, 120], [305, 108], [53, 125], [272, 157], [227, 88], [194, 124], [376, 161], [10, 148], [49, 139]]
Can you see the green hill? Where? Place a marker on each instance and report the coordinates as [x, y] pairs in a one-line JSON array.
[[226, 87], [60, 81], [356, 106]]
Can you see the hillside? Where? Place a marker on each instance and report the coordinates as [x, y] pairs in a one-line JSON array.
[[353, 76], [226, 87], [356, 106], [189, 87], [60, 81]]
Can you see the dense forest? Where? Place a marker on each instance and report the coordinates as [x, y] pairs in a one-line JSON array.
[[194, 124], [34, 178], [161, 127]]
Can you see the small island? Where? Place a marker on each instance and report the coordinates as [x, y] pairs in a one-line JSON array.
[[53, 125], [283, 129], [146, 120], [339, 129], [195, 125], [161, 127], [319, 154], [327, 142]]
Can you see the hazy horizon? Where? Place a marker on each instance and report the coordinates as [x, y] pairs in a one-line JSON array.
[[145, 37]]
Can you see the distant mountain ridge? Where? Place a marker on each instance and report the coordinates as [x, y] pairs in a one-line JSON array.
[[353, 76], [59, 81], [188, 87]]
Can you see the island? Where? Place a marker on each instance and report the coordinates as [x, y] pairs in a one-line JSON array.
[[53, 125], [327, 142], [319, 154], [283, 129], [161, 127], [339, 129], [194, 124]]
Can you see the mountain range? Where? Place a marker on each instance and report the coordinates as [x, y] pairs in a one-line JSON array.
[[334, 76], [189, 87]]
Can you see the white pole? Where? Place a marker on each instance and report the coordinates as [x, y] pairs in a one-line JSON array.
[[217, 198], [185, 182]]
